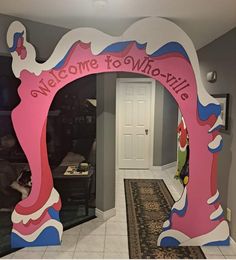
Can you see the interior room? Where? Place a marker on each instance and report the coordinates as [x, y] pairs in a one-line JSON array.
[[103, 151]]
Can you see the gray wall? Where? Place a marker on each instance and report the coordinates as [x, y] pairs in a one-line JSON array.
[[165, 125], [105, 166], [44, 37], [158, 125], [220, 55], [169, 128]]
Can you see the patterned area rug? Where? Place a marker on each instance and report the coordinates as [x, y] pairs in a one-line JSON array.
[[148, 204]]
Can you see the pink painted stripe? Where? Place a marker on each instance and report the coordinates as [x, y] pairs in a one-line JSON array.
[[31, 228]]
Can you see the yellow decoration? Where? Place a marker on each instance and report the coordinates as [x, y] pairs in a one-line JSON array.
[[185, 180]]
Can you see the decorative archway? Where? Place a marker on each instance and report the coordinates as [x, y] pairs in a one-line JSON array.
[[153, 47]]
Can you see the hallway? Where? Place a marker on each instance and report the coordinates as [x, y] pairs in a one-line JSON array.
[[108, 239]]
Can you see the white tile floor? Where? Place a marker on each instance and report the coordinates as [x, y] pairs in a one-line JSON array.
[[99, 239]]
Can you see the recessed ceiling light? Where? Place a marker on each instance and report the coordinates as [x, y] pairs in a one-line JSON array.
[[100, 3]]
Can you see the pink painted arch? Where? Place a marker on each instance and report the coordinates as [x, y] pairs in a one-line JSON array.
[[197, 218]]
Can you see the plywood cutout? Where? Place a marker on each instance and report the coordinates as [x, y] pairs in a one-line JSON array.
[[153, 47]]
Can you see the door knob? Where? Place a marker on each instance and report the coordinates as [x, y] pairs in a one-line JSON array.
[[146, 131]]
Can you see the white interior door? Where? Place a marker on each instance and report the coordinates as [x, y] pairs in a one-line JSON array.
[[134, 123]]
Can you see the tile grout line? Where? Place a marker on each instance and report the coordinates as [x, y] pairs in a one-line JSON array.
[[44, 253], [105, 239], [76, 243]]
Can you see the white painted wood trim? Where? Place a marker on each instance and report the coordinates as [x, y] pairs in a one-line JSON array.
[[117, 128], [105, 215], [169, 165], [152, 109], [153, 91]]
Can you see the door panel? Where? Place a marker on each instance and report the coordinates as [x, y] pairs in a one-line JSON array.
[[134, 124]]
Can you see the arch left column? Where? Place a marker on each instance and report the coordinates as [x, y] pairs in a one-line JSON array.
[[36, 219]]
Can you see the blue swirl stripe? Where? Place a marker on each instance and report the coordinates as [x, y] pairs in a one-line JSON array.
[[218, 217], [54, 214], [226, 242], [165, 49], [171, 47], [217, 128], [180, 212], [61, 63], [169, 242], [49, 236], [217, 149], [15, 40], [206, 111]]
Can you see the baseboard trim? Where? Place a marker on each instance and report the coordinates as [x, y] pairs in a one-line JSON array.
[[169, 165], [105, 215], [164, 167]]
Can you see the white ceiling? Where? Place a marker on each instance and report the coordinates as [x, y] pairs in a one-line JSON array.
[[202, 20]]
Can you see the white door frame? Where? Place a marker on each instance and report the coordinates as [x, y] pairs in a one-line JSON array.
[[152, 109]]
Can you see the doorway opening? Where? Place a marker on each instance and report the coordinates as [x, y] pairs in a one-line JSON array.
[[71, 145], [160, 116]]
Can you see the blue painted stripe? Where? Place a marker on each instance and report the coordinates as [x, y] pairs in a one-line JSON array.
[[54, 214], [217, 149], [49, 236], [169, 48], [225, 242], [141, 46], [218, 217], [62, 62], [169, 242], [15, 40], [166, 228], [180, 212], [217, 128], [205, 112]]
